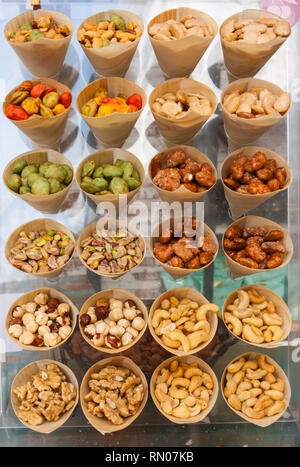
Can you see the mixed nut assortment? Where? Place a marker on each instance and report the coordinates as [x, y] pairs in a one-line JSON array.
[[187, 26], [43, 26], [42, 251], [101, 104], [175, 105], [112, 323]]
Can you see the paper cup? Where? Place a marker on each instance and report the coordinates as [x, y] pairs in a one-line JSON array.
[[240, 203], [179, 57], [245, 60], [37, 225], [279, 373], [119, 294], [44, 131], [212, 399], [181, 131], [281, 309], [109, 156], [244, 130], [180, 293], [111, 130], [42, 57], [47, 203], [29, 297], [24, 376], [182, 194], [238, 270], [103, 425]]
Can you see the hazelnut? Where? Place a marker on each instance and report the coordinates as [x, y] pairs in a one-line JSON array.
[[53, 303], [18, 312], [131, 303], [38, 341], [54, 327], [102, 312], [102, 302], [112, 341], [85, 319]]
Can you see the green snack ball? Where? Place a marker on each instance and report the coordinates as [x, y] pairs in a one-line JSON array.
[[105, 42], [14, 182], [29, 169], [69, 175], [44, 166], [89, 187], [32, 178], [35, 34], [55, 185], [126, 166], [89, 109], [51, 99], [119, 21], [56, 171], [111, 171], [136, 175], [45, 111], [132, 183], [26, 26], [24, 189], [88, 169], [118, 186], [98, 172], [40, 187], [19, 166], [100, 183]]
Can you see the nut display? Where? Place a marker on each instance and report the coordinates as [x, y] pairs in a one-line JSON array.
[[187, 26], [176, 105], [104, 33], [43, 27], [256, 175], [252, 388], [116, 393], [101, 104], [39, 252]]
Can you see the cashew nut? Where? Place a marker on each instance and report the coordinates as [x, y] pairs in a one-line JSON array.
[[164, 375], [252, 334], [158, 316], [204, 309], [190, 401], [238, 376], [275, 395], [236, 366], [184, 382], [255, 297], [276, 332], [244, 299], [237, 325], [179, 336], [207, 381], [192, 372], [195, 338], [245, 313], [243, 386], [178, 372], [181, 411], [256, 374], [244, 395], [262, 403], [252, 414], [196, 410], [169, 342], [278, 386], [178, 393], [272, 319], [264, 365], [254, 321], [276, 408], [196, 381], [230, 388], [234, 402], [174, 365], [250, 364]]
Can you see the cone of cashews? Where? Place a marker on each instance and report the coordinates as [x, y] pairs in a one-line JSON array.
[[43, 56], [179, 57], [240, 203], [111, 130]]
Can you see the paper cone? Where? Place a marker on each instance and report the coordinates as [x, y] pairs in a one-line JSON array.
[[29, 297], [182, 194], [44, 131], [119, 294], [115, 59], [279, 373], [281, 309], [47, 203], [181, 131], [180, 293], [178, 58], [212, 398], [245, 60], [111, 130], [37, 225], [174, 272], [246, 130], [24, 376], [240, 203], [238, 270], [91, 229], [109, 156], [42, 57], [103, 425]]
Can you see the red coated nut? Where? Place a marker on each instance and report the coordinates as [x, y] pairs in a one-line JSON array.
[[101, 312], [84, 319], [113, 341]]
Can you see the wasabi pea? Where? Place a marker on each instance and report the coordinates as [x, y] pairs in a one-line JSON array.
[[19, 166], [118, 186], [29, 169], [55, 185], [87, 179], [56, 171], [119, 21], [89, 109], [111, 171], [35, 34], [88, 169], [132, 183], [98, 172], [101, 183], [89, 187], [24, 189], [40, 187], [69, 175], [14, 182], [136, 175], [45, 166], [32, 178], [26, 26]]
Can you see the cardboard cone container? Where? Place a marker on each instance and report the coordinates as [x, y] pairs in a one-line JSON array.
[[205, 368], [29, 297], [25, 375], [44, 131], [281, 309], [240, 203], [181, 130], [103, 425], [181, 293], [109, 156], [42, 57], [243, 131], [111, 130], [278, 373], [182, 194], [179, 57], [36, 226], [238, 270], [47, 203], [245, 60]]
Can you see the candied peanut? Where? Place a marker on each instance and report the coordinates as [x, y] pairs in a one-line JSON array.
[[275, 260], [255, 252]]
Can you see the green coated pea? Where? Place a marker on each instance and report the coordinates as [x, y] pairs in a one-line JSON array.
[[136, 175], [35, 34], [105, 41], [26, 26], [40, 187], [56, 171], [24, 189], [69, 175], [132, 183], [88, 169], [98, 172], [89, 187], [55, 185], [118, 186], [32, 178], [101, 183], [44, 166], [111, 171], [118, 21], [19, 166], [14, 182]]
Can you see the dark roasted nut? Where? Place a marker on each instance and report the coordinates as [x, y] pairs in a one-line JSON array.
[[255, 252], [176, 158], [205, 179], [273, 184], [101, 312], [280, 174], [205, 258], [237, 171], [185, 249], [167, 179], [191, 166], [258, 188], [193, 187], [264, 174], [273, 236], [271, 165], [243, 189], [233, 231], [102, 302], [254, 232], [258, 160], [156, 165], [275, 260], [208, 245], [248, 262], [247, 178], [54, 326], [177, 262], [273, 247], [163, 252], [194, 263], [131, 303], [15, 321], [258, 240], [52, 304], [233, 184], [166, 236], [235, 244]]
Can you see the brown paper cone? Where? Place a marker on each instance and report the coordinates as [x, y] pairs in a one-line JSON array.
[[213, 396], [281, 309], [44, 131], [37, 225], [279, 373], [182, 194], [24, 376], [238, 270], [29, 297], [115, 59], [178, 58], [119, 294], [42, 57], [180, 293], [245, 60], [47, 203], [174, 272], [240, 203], [111, 130], [103, 425], [181, 131], [243, 130], [91, 229], [109, 156]]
